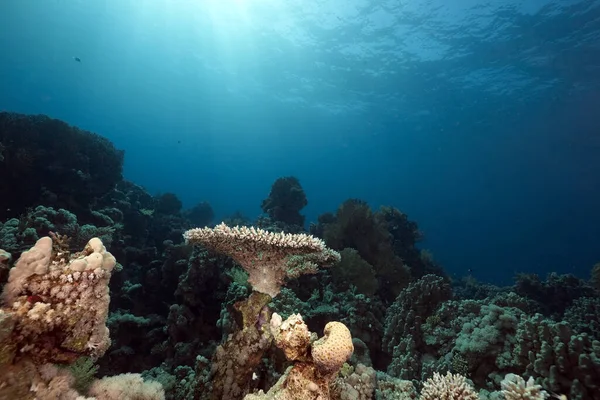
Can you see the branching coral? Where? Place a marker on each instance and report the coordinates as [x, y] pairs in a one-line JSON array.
[[26, 381], [560, 359], [269, 258], [404, 321], [515, 388], [554, 294], [447, 387], [125, 387], [19, 234]]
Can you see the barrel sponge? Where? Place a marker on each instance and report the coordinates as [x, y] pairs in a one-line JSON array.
[[331, 351]]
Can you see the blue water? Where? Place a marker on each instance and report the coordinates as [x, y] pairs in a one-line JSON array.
[[478, 119]]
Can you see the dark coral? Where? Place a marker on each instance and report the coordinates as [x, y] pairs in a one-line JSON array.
[[355, 227], [584, 316], [200, 215], [136, 207], [595, 276], [237, 219], [352, 270], [405, 235], [285, 201], [555, 294], [168, 204], [385, 239], [49, 162]]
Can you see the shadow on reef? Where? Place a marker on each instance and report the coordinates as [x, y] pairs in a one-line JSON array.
[[227, 311]]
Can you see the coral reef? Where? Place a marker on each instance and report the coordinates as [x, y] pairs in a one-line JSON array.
[[231, 317], [554, 293]]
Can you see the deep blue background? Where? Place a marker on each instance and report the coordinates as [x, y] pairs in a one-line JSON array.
[[481, 121]]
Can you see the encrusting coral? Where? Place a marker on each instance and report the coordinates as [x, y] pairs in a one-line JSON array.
[[269, 258]]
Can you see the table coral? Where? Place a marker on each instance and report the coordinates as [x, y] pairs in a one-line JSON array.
[[269, 258]]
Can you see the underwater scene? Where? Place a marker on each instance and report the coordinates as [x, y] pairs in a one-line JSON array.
[[299, 199]]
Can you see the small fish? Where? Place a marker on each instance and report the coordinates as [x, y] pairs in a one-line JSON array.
[[77, 59], [470, 270]]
